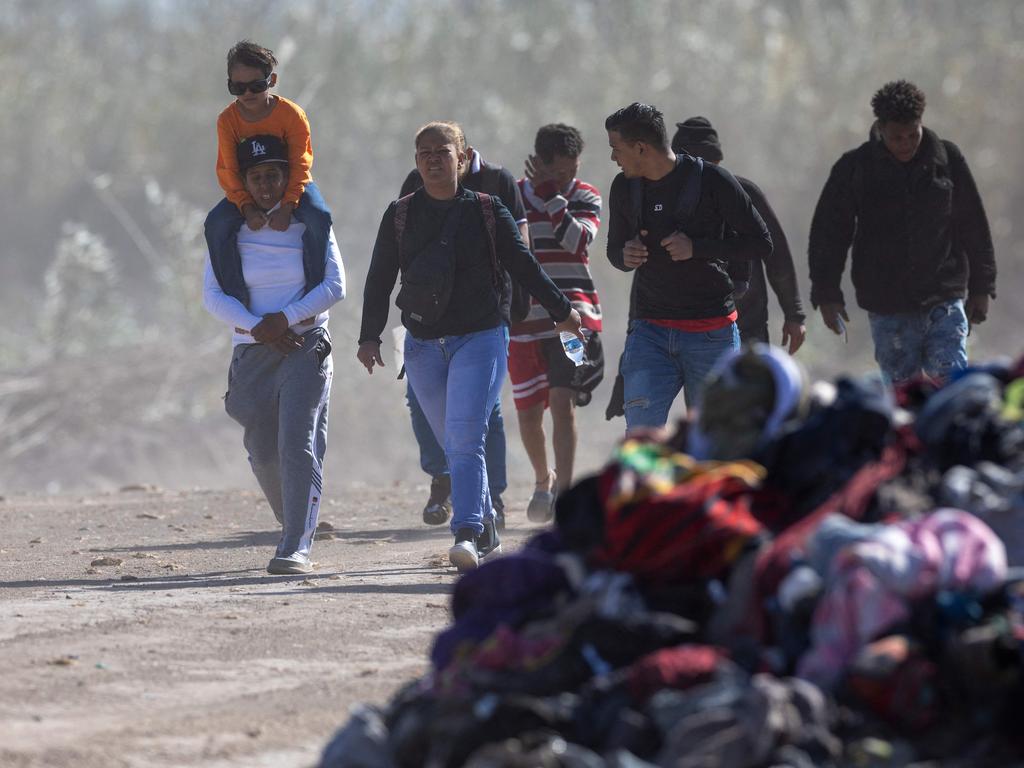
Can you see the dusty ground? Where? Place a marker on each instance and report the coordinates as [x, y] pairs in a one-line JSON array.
[[186, 652]]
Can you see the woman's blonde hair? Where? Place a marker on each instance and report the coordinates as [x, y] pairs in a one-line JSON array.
[[450, 130]]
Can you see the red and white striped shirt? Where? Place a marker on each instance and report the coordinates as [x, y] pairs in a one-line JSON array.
[[561, 231]]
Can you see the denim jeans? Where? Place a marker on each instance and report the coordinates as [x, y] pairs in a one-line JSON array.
[[457, 380], [932, 340], [659, 361], [432, 460]]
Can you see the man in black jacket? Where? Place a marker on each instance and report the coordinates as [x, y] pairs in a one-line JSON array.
[[684, 316], [907, 202], [696, 136]]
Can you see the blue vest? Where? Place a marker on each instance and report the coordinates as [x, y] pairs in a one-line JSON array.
[[221, 230]]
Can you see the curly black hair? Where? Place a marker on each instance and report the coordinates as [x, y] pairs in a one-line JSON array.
[[557, 139], [639, 122], [899, 101], [249, 54]]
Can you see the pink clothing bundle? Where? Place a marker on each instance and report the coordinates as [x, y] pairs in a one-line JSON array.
[[871, 582]]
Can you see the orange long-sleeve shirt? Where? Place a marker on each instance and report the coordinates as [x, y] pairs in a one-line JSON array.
[[286, 120]]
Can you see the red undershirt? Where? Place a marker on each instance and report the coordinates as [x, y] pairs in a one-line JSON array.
[[697, 326]]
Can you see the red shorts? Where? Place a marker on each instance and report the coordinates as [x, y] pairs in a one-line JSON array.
[[536, 366]]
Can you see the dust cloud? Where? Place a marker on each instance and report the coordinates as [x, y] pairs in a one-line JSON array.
[[112, 373]]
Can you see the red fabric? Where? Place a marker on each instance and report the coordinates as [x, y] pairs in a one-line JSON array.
[[894, 679], [697, 326], [528, 371], [676, 668], [692, 532]]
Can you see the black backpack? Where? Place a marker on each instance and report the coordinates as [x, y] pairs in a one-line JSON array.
[[689, 196], [686, 204], [519, 305], [428, 277]]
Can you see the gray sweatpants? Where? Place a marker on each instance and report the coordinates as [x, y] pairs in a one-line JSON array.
[[281, 401]]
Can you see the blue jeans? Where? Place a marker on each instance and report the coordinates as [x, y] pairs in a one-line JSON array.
[[432, 460], [932, 340], [457, 380], [659, 361]]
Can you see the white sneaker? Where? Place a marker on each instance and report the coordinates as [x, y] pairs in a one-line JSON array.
[[462, 553]]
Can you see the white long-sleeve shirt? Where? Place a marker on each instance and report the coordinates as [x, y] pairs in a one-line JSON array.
[[273, 272]]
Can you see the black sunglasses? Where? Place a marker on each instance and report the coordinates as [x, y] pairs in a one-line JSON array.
[[256, 86]]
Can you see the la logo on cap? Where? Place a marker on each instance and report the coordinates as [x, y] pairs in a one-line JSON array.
[[258, 149]]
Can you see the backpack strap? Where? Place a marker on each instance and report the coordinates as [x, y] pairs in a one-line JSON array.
[[487, 209], [401, 213], [689, 195], [636, 204]]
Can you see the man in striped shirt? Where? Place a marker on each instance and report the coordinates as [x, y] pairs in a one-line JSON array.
[[563, 214]]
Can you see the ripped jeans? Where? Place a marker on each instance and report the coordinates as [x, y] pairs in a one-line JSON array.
[[932, 340], [660, 361]]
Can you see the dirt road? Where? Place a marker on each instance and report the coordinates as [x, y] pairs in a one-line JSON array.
[[139, 628]]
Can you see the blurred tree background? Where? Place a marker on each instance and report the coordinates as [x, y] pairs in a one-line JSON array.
[[111, 372]]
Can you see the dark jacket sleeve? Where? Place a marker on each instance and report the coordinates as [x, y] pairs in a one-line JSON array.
[[515, 256], [380, 279], [751, 240], [510, 195], [779, 266], [412, 182], [620, 226], [832, 233], [970, 226]]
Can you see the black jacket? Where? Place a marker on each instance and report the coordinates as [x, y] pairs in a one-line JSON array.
[[918, 229], [475, 305], [699, 287], [753, 305]]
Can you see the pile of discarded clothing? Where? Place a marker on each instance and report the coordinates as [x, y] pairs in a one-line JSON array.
[[823, 575]]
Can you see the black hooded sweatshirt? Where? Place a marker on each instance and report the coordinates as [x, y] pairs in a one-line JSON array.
[[918, 229]]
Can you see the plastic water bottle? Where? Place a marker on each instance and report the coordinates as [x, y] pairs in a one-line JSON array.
[[573, 347]]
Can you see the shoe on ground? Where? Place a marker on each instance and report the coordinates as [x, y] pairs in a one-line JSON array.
[[488, 541], [499, 511], [290, 564], [439, 505], [463, 554], [541, 508]]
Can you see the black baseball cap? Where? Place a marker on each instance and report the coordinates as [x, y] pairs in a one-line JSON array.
[[256, 150]]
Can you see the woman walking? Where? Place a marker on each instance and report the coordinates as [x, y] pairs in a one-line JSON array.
[[452, 247]]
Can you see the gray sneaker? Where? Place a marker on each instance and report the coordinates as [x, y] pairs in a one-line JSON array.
[[290, 564], [541, 508]]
